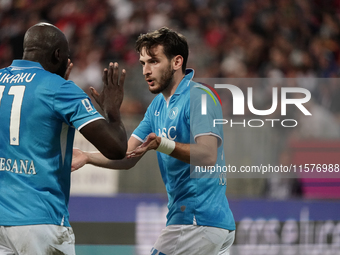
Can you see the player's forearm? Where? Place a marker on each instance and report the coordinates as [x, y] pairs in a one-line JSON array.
[[98, 159], [181, 152], [203, 153], [118, 134], [109, 138], [195, 154]]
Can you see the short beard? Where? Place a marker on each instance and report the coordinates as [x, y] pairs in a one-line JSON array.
[[165, 81]]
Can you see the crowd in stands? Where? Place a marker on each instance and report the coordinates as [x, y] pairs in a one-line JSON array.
[[227, 38]]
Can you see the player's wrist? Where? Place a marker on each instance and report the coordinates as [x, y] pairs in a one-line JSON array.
[[166, 146], [90, 157]]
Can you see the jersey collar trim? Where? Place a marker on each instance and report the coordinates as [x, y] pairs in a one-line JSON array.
[[24, 64], [189, 74]]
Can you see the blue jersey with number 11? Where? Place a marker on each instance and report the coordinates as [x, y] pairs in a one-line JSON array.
[[39, 112]]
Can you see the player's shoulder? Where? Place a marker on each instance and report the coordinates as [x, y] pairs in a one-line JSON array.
[[157, 100], [57, 78], [46, 75], [58, 81], [56, 84], [199, 88]]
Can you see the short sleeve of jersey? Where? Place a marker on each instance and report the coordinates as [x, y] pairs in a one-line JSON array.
[[74, 106], [203, 124], [144, 128]]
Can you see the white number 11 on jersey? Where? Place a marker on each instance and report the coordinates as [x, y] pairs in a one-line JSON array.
[[14, 126]]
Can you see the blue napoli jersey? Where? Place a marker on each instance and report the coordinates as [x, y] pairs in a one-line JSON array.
[[200, 201], [39, 112]]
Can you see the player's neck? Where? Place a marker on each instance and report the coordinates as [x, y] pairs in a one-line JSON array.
[[170, 90]]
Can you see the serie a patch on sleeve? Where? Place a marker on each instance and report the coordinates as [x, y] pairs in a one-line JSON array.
[[88, 106]]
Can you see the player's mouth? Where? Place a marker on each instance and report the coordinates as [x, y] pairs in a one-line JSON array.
[[150, 82]]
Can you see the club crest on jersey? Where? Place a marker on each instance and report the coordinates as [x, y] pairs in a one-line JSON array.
[[87, 105], [173, 113]]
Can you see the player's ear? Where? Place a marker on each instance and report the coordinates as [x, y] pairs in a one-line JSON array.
[[57, 54], [177, 62], [55, 57]]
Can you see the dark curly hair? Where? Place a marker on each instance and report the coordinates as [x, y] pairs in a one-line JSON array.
[[173, 44]]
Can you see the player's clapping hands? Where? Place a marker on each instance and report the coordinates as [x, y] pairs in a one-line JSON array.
[[152, 142], [112, 94]]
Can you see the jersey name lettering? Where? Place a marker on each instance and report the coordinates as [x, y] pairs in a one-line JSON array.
[[18, 167], [19, 78]]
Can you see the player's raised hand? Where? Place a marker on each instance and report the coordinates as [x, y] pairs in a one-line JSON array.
[[69, 69], [79, 159], [112, 94], [152, 142]]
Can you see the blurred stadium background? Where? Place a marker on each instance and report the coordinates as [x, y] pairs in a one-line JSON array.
[[122, 212]]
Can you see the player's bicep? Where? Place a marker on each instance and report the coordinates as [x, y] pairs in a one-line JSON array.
[[202, 124], [209, 141], [207, 148]]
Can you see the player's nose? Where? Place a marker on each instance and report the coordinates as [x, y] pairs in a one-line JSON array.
[[146, 69]]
